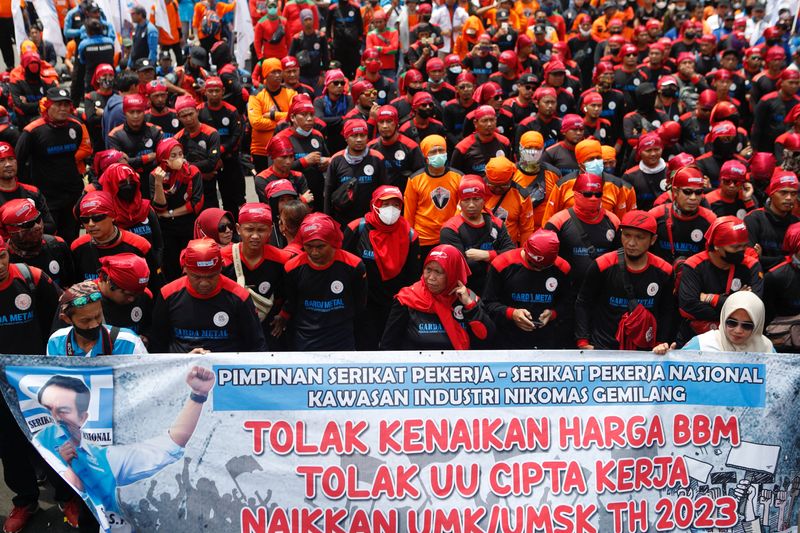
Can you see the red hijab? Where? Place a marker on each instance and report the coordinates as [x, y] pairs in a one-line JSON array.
[[418, 297], [390, 243], [128, 213], [207, 223], [182, 175]]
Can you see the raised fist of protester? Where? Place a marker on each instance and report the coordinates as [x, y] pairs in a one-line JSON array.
[[201, 380]]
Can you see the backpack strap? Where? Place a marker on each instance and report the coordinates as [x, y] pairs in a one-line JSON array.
[[626, 281], [27, 275], [590, 248]]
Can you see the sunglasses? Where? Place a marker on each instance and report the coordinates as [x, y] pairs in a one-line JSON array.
[[339, 83], [29, 224], [93, 218], [592, 194], [733, 324], [731, 182], [222, 228], [693, 192], [80, 301], [465, 86], [631, 55], [369, 93], [528, 87]]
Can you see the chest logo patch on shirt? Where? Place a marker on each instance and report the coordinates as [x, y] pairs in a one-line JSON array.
[[652, 289], [337, 287], [736, 284], [369, 170], [149, 143], [23, 302], [175, 122], [98, 103], [399, 155], [458, 312], [72, 134], [381, 94], [314, 143], [440, 197], [136, 314], [225, 121], [551, 284], [221, 319], [54, 267], [563, 108], [610, 235], [316, 46], [696, 235], [263, 287], [612, 105], [202, 144], [741, 213]]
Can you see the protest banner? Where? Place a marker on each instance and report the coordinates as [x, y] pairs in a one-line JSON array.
[[478, 442]]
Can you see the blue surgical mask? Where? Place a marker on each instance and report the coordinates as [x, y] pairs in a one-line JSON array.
[[438, 160], [594, 167]]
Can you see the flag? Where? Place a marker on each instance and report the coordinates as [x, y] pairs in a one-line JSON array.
[[243, 32], [243, 464], [52, 28]]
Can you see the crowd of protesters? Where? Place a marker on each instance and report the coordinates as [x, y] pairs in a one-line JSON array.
[[457, 175]]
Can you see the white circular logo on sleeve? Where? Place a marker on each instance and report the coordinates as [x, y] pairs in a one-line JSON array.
[[696, 235], [652, 289], [551, 284], [202, 144], [736, 284], [458, 312], [337, 287], [612, 106], [563, 108], [73, 134], [148, 143], [602, 133], [136, 314], [637, 81], [314, 143], [514, 88], [610, 234], [399, 155], [225, 121], [350, 13], [54, 267], [493, 233], [381, 94], [488, 64], [663, 184], [656, 123], [741, 213], [22, 301], [263, 287], [221, 319], [369, 170], [175, 122], [98, 103], [316, 46]]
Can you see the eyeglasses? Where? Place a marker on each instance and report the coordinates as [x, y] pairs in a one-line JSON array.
[[592, 194], [369, 93], [93, 218], [693, 192], [733, 324], [339, 83], [29, 224], [227, 226], [87, 299]]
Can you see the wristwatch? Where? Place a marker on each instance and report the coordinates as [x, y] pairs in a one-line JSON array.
[[172, 214]]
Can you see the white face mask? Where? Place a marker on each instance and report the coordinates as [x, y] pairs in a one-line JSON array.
[[586, 33], [530, 155], [594, 167], [176, 164], [389, 214]]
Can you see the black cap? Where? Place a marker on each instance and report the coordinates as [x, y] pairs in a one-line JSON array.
[[539, 28], [527, 78], [92, 7], [199, 56], [734, 51], [609, 5], [143, 64], [164, 55], [760, 7], [729, 16], [56, 94], [502, 14]]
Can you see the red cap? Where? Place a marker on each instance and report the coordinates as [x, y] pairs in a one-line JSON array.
[[96, 203], [18, 211], [685, 56], [571, 122], [509, 57], [762, 165], [214, 82], [588, 183], [775, 53], [388, 112], [722, 111], [726, 231], [301, 105], [782, 179], [185, 102], [471, 186], [707, 98], [255, 212], [133, 102], [424, 9], [359, 88], [355, 126], [278, 188], [127, 271], [280, 146], [320, 227], [541, 248], [652, 23], [386, 192], [733, 170], [287, 63], [773, 32], [370, 54], [688, 177], [791, 142], [434, 63], [639, 220], [723, 129], [647, 141], [450, 60], [791, 240], [421, 98], [482, 111], [465, 76], [592, 98], [6, 151], [202, 256], [158, 86]]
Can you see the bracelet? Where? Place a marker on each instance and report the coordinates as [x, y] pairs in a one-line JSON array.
[[199, 398]]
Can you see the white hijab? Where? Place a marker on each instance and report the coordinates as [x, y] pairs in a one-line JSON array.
[[757, 342]]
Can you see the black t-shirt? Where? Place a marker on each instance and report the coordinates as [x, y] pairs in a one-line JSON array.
[[26, 314]]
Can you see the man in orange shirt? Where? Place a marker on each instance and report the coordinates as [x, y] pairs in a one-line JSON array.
[[266, 109]]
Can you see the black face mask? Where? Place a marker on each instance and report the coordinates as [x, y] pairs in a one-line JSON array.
[[424, 112], [647, 102], [724, 150], [734, 258], [412, 91], [669, 92], [90, 334], [127, 192]]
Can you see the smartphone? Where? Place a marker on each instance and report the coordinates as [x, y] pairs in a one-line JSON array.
[[504, 25], [537, 324]]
